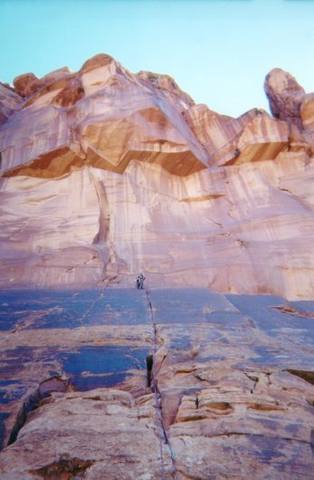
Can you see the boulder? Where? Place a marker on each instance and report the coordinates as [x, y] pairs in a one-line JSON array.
[[285, 95]]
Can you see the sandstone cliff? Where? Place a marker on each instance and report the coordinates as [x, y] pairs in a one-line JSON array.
[[106, 173]]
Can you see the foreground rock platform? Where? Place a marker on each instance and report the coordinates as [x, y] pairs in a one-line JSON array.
[[230, 393]]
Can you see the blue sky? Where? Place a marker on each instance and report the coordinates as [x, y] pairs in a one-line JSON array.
[[218, 51]]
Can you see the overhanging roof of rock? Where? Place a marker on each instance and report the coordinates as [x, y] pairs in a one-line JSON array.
[[105, 116]]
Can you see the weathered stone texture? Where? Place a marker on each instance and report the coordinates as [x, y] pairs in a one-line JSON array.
[[107, 173], [230, 392]]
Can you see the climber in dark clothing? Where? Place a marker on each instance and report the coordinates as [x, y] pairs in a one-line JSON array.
[[142, 278], [140, 282]]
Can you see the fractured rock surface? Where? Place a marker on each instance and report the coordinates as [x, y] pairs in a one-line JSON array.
[[98, 435], [231, 396], [106, 173]]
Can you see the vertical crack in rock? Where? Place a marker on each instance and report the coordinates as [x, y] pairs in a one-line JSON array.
[[104, 215], [102, 238], [89, 309], [149, 368], [157, 395], [33, 401]]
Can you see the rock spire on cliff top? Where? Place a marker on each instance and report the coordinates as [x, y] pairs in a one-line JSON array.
[[288, 100]]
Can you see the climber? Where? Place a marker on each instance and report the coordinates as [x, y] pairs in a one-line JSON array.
[[140, 281], [142, 278]]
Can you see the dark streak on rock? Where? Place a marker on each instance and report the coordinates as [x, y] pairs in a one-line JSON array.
[[66, 468], [308, 376], [33, 401]]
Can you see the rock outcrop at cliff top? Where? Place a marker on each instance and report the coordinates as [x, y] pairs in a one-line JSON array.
[[106, 173]]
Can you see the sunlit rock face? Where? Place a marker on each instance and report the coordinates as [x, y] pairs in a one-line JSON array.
[[289, 102], [285, 95], [9, 102], [106, 173]]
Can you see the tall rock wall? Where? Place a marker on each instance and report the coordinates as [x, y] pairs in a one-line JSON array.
[[106, 173]]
